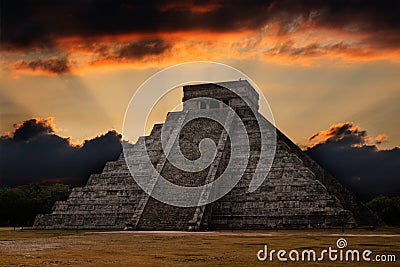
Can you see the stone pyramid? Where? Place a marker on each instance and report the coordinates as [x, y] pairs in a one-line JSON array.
[[296, 194]]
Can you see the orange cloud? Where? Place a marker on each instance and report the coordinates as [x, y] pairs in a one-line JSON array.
[[347, 132], [381, 138]]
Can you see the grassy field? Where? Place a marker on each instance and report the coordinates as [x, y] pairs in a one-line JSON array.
[[239, 248]]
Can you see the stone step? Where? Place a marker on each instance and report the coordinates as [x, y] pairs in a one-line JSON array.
[[173, 135]]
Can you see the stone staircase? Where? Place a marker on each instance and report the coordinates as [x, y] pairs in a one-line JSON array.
[[196, 222], [172, 136], [157, 215]]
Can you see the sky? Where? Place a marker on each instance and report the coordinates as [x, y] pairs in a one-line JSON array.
[[75, 64]]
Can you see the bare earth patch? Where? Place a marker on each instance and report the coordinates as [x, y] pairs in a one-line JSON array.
[[222, 248]]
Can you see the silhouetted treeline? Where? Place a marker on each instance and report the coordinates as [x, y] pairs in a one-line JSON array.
[[19, 206], [388, 208]]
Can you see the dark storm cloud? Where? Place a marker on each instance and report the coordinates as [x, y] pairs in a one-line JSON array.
[[363, 168], [51, 65], [144, 47], [133, 50], [352, 15], [34, 153], [313, 49], [27, 23], [33, 128]]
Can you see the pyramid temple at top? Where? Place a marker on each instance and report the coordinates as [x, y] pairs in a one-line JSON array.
[[296, 194]]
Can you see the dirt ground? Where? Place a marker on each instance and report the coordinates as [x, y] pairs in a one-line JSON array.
[[223, 248]]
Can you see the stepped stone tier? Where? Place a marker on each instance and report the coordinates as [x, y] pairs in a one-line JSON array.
[[296, 194]]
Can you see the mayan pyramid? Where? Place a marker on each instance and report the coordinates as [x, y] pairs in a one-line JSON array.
[[296, 194]]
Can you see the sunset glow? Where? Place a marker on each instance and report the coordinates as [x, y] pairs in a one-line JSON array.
[[319, 64]]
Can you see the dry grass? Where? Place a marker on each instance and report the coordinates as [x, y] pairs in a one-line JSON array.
[[83, 248]]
